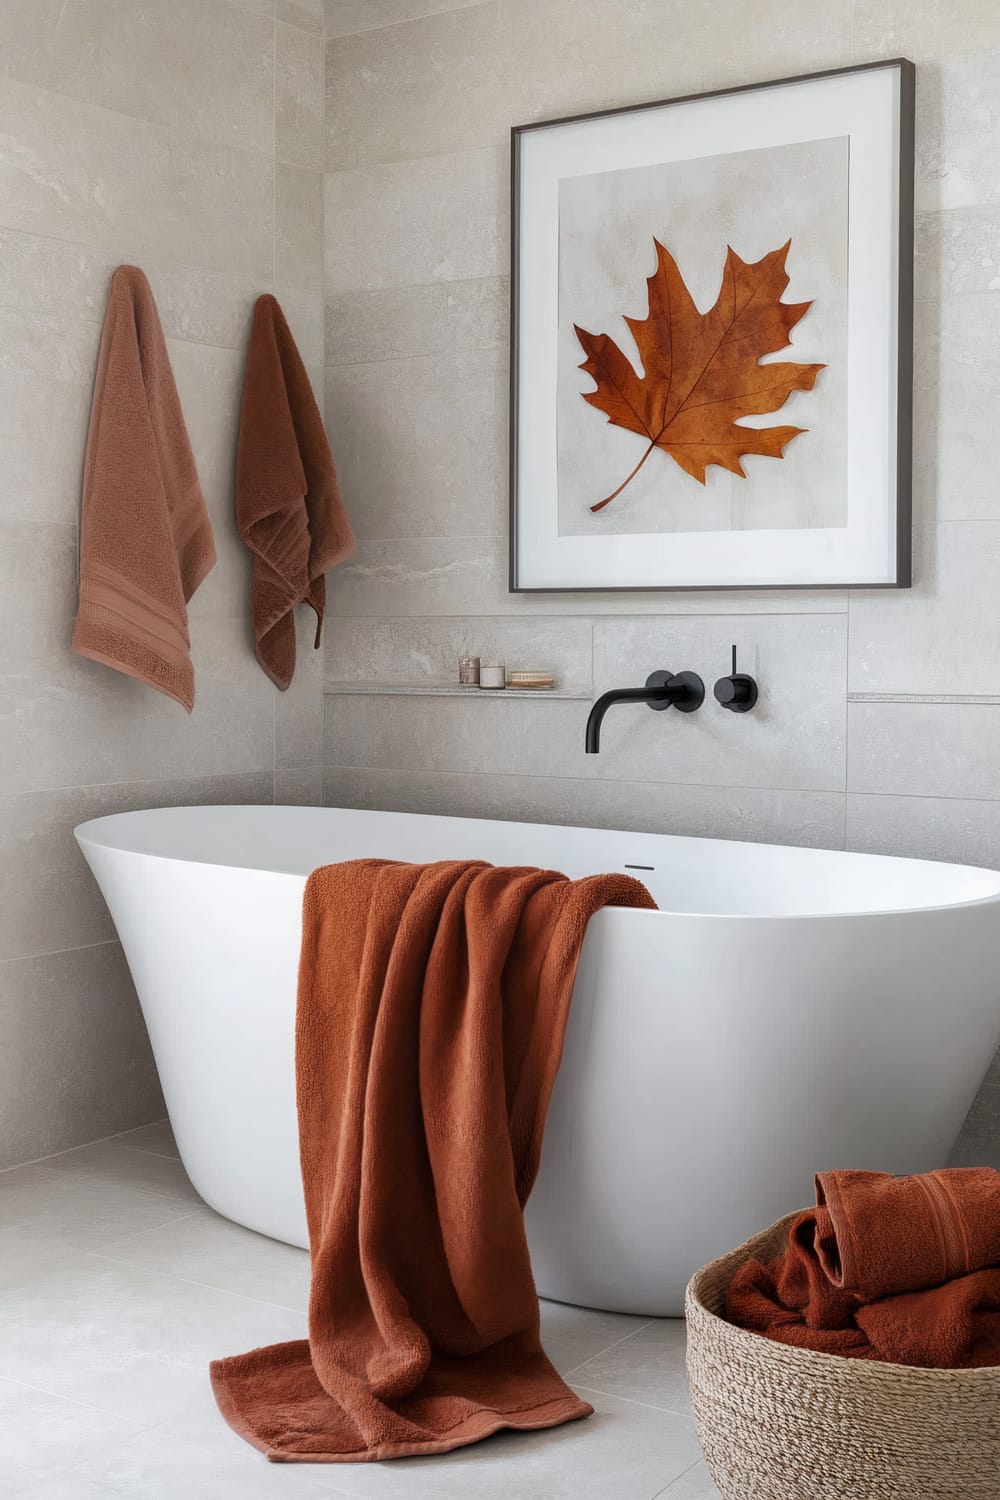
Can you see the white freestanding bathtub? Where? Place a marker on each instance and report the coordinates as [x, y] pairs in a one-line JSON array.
[[786, 1010]]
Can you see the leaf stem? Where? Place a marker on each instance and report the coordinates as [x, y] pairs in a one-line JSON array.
[[602, 503]]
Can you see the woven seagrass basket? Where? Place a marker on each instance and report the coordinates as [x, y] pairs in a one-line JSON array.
[[778, 1423]]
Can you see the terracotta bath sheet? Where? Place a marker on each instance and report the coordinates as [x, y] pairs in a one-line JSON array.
[[431, 1011]]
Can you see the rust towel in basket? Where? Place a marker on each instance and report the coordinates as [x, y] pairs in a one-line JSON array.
[[288, 505], [900, 1269], [145, 537], [432, 1004]]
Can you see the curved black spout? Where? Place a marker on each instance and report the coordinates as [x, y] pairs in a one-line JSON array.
[[683, 690]]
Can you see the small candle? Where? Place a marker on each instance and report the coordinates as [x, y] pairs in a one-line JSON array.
[[468, 671], [492, 677]]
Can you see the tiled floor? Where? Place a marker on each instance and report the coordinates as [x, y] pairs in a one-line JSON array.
[[117, 1285]]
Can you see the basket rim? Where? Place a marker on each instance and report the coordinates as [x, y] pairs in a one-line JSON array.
[[762, 1347]]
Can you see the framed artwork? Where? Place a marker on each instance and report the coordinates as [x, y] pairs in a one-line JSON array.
[[711, 337]]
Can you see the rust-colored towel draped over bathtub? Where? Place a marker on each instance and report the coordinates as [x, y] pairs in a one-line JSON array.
[[431, 1010]]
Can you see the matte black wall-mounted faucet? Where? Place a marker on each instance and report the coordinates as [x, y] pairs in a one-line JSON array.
[[683, 690]]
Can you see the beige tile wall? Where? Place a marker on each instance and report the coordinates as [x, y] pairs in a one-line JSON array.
[[879, 725], [186, 136]]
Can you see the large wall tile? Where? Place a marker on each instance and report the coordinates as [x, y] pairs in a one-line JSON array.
[[461, 575], [924, 749], [957, 252], [956, 100], [304, 312], [379, 105], [48, 898], [443, 218], [794, 737], [46, 377], [345, 16], [299, 100], [298, 246], [515, 61], [923, 32], [979, 1143], [37, 589], [73, 722], [41, 275], [956, 453], [542, 737], [681, 49], [305, 13], [815, 819], [76, 1063], [524, 798], [210, 386], [412, 650], [493, 65], [935, 637], [950, 828], [298, 712], [299, 788], [200, 66], [431, 575], [443, 317], [75, 171], [420, 444]]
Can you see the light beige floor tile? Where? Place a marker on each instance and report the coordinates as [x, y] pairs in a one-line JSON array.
[[205, 1248], [572, 1335], [108, 1162], [49, 1218], [128, 1341], [157, 1138], [69, 1485], [696, 1484], [623, 1452], [42, 1435], [648, 1366], [195, 1454]]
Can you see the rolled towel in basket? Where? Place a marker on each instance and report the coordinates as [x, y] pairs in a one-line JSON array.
[[900, 1269]]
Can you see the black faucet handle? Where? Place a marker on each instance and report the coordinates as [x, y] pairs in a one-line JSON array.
[[686, 689], [737, 692]]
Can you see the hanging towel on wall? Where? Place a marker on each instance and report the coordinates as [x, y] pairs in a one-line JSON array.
[[288, 504], [145, 537], [900, 1269], [431, 1010]]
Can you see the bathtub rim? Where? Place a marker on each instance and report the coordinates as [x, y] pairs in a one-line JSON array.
[[87, 836]]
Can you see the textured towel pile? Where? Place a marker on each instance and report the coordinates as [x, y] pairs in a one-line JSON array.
[[900, 1269], [432, 1004], [145, 537]]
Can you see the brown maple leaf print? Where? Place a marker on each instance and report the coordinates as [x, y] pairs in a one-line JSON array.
[[701, 371]]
